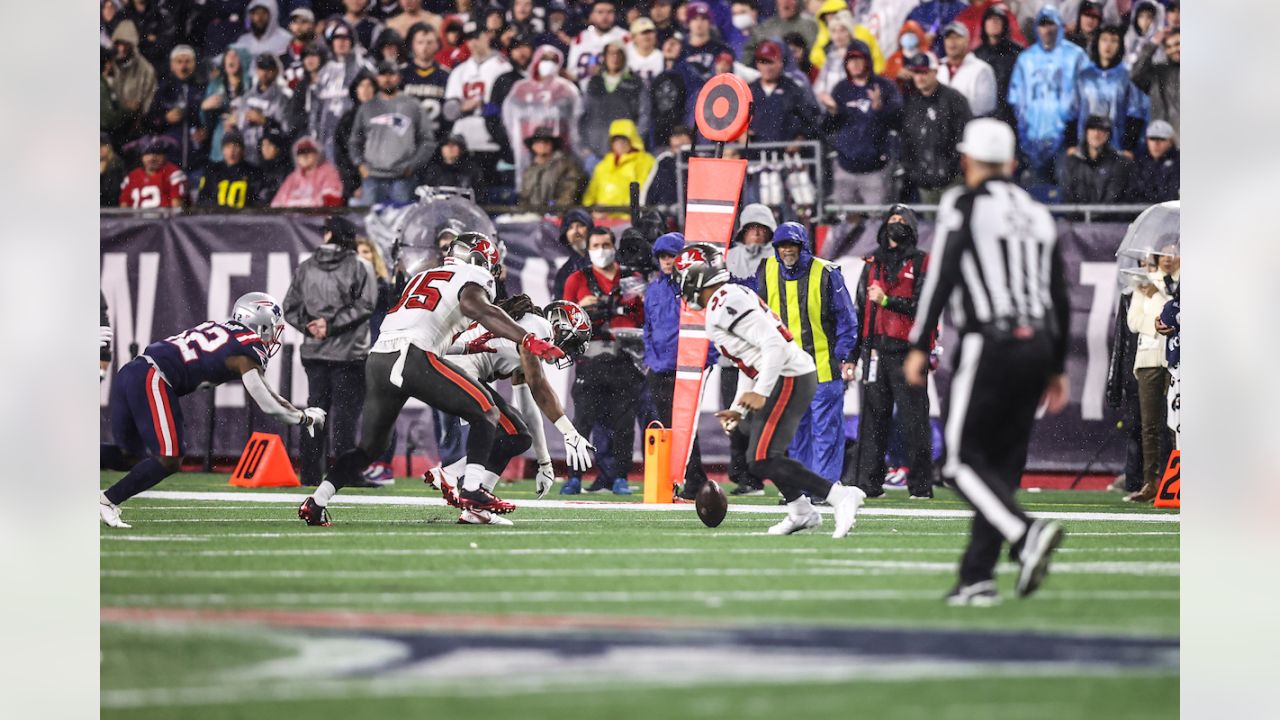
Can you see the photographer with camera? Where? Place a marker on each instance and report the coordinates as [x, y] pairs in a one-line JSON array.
[[607, 388]]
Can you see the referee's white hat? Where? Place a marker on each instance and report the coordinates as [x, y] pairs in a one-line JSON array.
[[987, 140]]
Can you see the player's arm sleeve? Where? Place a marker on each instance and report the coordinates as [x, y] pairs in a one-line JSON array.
[[846, 317], [948, 248], [268, 401], [364, 296], [1061, 308], [522, 399]]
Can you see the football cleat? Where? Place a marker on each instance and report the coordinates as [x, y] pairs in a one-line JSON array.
[[621, 487], [379, 474], [109, 512], [845, 501], [482, 499], [979, 594], [599, 486], [313, 514], [572, 486], [792, 524], [746, 490], [482, 517], [438, 479], [1043, 537]]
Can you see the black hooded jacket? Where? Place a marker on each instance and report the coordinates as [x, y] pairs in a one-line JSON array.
[[887, 262], [1000, 56]]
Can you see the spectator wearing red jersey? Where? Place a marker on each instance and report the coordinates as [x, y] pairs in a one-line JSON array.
[[314, 181], [157, 183]]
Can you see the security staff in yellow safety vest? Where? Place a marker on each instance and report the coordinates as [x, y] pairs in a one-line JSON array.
[[810, 296]]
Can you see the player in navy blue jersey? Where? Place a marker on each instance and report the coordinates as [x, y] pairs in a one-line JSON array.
[[146, 419]]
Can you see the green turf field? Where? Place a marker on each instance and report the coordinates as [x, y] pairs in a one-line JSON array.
[[230, 608]]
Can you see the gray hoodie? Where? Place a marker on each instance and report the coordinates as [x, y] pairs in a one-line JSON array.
[[336, 285], [393, 136], [274, 40], [742, 259], [271, 101]]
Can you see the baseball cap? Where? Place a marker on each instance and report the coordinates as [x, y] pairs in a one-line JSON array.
[[456, 139], [768, 50], [267, 61], [233, 136], [697, 10], [182, 50], [337, 29], [306, 144], [304, 13], [153, 147], [386, 67], [921, 62], [1098, 122], [987, 140], [1047, 19], [1159, 129], [958, 28], [471, 29], [1093, 9], [857, 50], [642, 24]]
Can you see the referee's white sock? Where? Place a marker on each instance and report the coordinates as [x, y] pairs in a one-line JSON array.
[[324, 493]]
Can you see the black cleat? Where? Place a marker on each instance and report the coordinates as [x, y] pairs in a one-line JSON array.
[[1043, 537], [688, 491], [482, 499], [979, 594], [747, 489], [313, 514]]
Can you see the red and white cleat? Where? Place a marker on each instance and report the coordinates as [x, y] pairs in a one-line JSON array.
[[438, 479], [482, 499]]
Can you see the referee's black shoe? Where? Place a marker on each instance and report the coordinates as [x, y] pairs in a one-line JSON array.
[[980, 594], [1043, 537]]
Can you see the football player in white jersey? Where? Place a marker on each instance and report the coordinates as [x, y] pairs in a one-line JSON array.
[[407, 361], [489, 359], [776, 382]]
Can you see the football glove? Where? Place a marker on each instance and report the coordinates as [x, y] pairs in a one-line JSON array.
[[577, 449], [312, 420], [545, 478], [541, 349], [480, 344]]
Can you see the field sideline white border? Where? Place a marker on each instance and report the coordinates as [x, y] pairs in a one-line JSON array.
[[275, 497]]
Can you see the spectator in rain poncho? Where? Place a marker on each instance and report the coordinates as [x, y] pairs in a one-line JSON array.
[[545, 99], [1104, 88], [1042, 94]]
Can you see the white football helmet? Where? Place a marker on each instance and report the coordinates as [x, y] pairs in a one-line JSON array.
[[261, 313]]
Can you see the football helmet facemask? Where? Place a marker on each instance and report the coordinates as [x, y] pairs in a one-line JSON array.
[[261, 313], [570, 329]]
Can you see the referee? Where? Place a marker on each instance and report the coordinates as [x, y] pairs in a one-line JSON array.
[[996, 252]]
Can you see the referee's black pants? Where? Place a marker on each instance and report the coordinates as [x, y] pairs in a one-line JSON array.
[[996, 388], [662, 388]]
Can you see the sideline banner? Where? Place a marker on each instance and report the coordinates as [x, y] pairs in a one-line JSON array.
[[163, 275]]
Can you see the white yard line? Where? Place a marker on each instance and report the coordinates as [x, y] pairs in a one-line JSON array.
[[497, 597], [276, 497]]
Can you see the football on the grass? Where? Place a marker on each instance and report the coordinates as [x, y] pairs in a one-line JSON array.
[[711, 504]]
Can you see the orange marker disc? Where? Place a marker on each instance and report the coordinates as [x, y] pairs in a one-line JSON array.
[[724, 108]]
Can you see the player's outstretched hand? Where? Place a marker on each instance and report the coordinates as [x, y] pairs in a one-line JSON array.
[[541, 349], [545, 478], [480, 344], [313, 420], [578, 451], [729, 419]]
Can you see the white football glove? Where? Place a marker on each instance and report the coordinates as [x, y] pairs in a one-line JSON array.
[[577, 449], [312, 420], [545, 478]]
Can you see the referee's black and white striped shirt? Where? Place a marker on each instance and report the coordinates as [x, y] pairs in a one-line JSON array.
[[996, 257]]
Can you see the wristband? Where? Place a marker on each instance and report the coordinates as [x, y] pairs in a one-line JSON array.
[[884, 301], [741, 409], [565, 425]]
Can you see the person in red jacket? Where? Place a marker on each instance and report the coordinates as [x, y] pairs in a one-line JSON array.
[[886, 302], [607, 389], [158, 183]]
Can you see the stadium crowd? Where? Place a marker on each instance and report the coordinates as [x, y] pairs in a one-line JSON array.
[[322, 103]]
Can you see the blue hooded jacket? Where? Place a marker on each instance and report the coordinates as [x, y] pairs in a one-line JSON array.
[[1042, 93], [1109, 92], [837, 306], [858, 134], [662, 313]]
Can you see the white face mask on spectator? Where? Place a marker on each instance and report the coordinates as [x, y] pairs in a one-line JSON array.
[[742, 21], [601, 257], [548, 68]]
